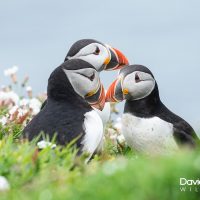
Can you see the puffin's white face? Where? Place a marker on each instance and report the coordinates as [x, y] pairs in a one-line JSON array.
[[96, 54], [137, 85], [83, 80], [86, 83]]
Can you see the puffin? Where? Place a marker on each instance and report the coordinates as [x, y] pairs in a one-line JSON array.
[[73, 88], [148, 125]]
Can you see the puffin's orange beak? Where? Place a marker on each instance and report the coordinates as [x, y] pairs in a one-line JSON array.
[[96, 98], [115, 93], [117, 59]]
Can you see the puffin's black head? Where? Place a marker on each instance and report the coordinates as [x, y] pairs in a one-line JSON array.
[[99, 55], [76, 78], [134, 82]]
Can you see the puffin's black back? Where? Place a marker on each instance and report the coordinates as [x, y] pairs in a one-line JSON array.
[[151, 106], [64, 111]]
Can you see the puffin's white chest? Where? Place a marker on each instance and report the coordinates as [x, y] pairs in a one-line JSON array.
[[93, 139], [104, 114], [151, 136]]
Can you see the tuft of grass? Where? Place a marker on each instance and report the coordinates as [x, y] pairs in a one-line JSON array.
[[48, 174]]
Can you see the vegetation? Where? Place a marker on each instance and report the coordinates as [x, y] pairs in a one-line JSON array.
[[49, 174], [57, 173]]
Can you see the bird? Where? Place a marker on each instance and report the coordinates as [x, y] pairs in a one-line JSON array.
[[104, 114], [102, 57], [147, 124], [73, 87]]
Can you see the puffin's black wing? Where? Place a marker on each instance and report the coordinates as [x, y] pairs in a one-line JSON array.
[[184, 134], [60, 119]]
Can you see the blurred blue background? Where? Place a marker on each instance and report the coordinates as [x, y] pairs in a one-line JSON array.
[[162, 35]]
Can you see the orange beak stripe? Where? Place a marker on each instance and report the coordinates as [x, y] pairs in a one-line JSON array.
[[110, 95], [101, 101], [121, 59]]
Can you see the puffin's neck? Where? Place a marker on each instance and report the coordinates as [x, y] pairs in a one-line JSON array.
[[77, 104], [146, 107]]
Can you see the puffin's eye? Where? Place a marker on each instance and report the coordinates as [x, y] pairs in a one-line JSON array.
[[97, 51], [92, 76], [137, 78]]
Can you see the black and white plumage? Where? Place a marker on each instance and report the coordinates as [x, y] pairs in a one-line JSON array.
[[72, 88], [147, 124], [104, 114], [101, 57]]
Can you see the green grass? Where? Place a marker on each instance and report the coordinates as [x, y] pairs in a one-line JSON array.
[[47, 174], [118, 173]]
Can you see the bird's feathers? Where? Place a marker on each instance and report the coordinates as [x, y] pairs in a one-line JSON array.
[[149, 135], [93, 128]]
